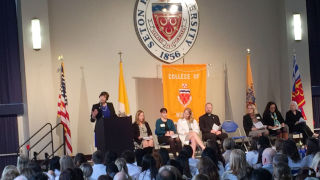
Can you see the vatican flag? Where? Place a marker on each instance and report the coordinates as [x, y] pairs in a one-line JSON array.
[[123, 98]]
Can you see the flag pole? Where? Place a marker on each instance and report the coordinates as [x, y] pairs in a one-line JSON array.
[[120, 54]]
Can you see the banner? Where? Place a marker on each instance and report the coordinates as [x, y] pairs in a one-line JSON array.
[[184, 86]]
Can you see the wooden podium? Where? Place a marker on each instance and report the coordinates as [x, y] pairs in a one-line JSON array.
[[115, 134]]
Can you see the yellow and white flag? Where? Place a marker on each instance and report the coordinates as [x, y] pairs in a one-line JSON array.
[[123, 98]]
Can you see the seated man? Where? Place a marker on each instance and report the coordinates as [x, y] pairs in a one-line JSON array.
[[206, 123], [267, 159]]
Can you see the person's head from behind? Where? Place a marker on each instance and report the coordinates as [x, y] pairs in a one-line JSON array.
[[280, 158], [267, 156], [104, 177], [22, 162], [121, 165], [121, 176], [86, 169], [290, 149], [40, 176], [164, 155], [279, 145], [228, 144], [238, 163], [163, 113], [54, 163], [304, 173], [28, 172], [263, 142], [313, 146], [166, 174], [260, 174], [281, 171], [9, 172], [208, 168], [208, 108], [129, 156], [66, 162], [254, 144], [176, 164], [97, 157], [200, 177], [67, 174], [34, 166], [78, 173], [316, 164], [112, 169], [211, 153], [188, 150], [149, 163], [110, 157], [79, 159]]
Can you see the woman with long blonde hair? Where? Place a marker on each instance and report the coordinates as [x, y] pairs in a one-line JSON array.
[[141, 131], [188, 130], [252, 122]]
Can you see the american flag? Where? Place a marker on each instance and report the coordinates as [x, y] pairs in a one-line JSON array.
[[63, 114], [297, 90]]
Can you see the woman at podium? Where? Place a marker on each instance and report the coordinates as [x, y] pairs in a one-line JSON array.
[[142, 134]]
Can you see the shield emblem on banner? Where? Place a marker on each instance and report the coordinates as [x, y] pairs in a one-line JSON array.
[[184, 96], [167, 18]]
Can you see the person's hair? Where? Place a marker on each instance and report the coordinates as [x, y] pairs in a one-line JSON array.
[[156, 155], [183, 159], [121, 165], [34, 166], [215, 146], [87, 170], [149, 163], [190, 114], [66, 162], [54, 163], [200, 177], [238, 163], [79, 159], [176, 164], [104, 93], [279, 145], [67, 174], [290, 149], [112, 169], [164, 155], [137, 117], [315, 161], [40, 176], [267, 109], [78, 173], [208, 168], [97, 157], [104, 177], [9, 173], [129, 156], [304, 173], [22, 162], [28, 172], [268, 154], [139, 153], [110, 157], [162, 110], [295, 103], [207, 104], [263, 143], [211, 153], [188, 150], [166, 174], [228, 144], [254, 144], [281, 171], [280, 158], [255, 110], [312, 146], [260, 174]]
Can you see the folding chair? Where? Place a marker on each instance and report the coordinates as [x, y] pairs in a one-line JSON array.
[[231, 127]]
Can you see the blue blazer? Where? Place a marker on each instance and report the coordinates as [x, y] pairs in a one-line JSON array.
[[160, 131]]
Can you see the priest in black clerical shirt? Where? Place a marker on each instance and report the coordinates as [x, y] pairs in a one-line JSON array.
[[206, 123]]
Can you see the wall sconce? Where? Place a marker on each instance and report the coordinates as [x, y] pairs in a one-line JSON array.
[[297, 27], [36, 36]]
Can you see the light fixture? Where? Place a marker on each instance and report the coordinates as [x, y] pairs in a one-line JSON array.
[[36, 36], [297, 27]]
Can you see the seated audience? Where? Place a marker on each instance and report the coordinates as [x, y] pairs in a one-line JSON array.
[[54, 168], [22, 162], [274, 121], [157, 157], [98, 167], [213, 155], [260, 174], [122, 168], [79, 159], [149, 169], [267, 159], [278, 145], [228, 146], [316, 164], [193, 162], [142, 134], [294, 159], [200, 177], [183, 160], [133, 170], [166, 132], [239, 168], [280, 158], [78, 173], [105, 177], [313, 147], [112, 169], [67, 174], [188, 130], [87, 170], [263, 143], [9, 173], [296, 123], [208, 168], [164, 156], [253, 154], [304, 173], [206, 123], [281, 171], [252, 123], [169, 172], [110, 157]]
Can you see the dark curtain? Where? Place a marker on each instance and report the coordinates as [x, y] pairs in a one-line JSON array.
[[313, 15], [10, 80]]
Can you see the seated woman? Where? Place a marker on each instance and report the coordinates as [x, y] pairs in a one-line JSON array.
[[166, 132], [274, 121], [142, 134], [252, 123], [188, 130], [294, 121]]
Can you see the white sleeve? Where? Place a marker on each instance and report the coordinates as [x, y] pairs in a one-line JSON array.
[[196, 126], [180, 127]]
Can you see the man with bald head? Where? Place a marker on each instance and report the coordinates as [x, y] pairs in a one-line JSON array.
[[267, 159]]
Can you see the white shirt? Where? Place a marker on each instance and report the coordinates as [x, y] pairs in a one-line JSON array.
[[98, 170], [183, 129], [133, 171], [193, 166], [145, 175], [252, 158]]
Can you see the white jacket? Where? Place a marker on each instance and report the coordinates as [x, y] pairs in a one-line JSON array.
[[183, 129]]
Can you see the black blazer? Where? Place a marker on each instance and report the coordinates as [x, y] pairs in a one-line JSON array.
[[206, 122], [99, 115], [291, 119], [136, 132], [267, 119], [247, 122]]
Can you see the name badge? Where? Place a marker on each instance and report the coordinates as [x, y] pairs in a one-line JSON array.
[[162, 125]]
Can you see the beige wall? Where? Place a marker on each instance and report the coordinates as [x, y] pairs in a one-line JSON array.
[[89, 34]]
